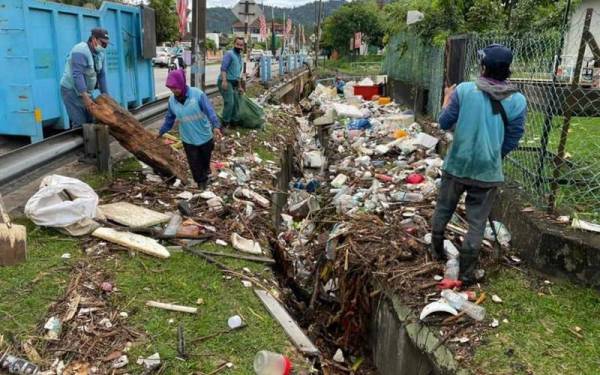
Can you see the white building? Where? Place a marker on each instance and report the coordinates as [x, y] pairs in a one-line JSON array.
[[573, 35]]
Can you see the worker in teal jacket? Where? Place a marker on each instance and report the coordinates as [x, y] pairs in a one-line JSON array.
[[198, 124], [483, 136], [85, 71], [229, 81]]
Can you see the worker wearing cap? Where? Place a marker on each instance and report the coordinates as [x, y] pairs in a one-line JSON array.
[[85, 71], [229, 81], [488, 118]]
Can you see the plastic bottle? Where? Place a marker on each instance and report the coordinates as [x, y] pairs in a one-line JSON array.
[[16, 365], [402, 196], [269, 363], [452, 268], [460, 303]]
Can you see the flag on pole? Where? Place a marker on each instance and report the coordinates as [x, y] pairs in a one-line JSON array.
[[183, 15], [263, 27], [288, 28]]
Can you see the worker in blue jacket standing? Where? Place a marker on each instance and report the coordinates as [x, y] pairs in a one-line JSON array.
[[198, 124], [487, 117], [85, 71], [229, 81]]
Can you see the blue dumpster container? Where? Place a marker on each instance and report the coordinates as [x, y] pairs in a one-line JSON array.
[[35, 39]]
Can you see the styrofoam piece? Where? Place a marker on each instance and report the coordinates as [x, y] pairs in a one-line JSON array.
[[437, 306], [131, 215], [133, 241], [245, 245], [425, 140]]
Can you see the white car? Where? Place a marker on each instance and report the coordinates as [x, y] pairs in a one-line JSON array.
[[162, 57], [255, 54]]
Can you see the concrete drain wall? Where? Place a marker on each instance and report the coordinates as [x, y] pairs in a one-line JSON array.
[[401, 344]]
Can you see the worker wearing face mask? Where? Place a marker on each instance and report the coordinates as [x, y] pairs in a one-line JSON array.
[[229, 80], [85, 71]]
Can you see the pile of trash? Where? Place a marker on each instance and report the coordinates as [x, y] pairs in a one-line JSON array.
[[357, 218]]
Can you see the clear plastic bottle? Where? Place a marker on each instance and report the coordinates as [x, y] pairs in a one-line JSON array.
[[450, 250], [461, 303], [402, 196], [269, 363], [452, 268]]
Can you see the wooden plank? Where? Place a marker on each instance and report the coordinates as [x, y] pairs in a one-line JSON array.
[[288, 324], [133, 216], [238, 256], [103, 148]]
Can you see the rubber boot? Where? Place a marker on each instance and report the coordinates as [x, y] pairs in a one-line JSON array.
[[437, 247], [468, 264]]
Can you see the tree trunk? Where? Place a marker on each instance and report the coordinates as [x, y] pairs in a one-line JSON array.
[[130, 133]]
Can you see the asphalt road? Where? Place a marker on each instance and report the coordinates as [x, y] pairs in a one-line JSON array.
[[212, 72]]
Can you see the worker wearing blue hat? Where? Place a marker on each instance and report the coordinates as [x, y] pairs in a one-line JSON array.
[[487, 117], [84, 72]]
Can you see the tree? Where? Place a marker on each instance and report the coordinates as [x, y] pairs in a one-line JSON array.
[[210, 45], [166, 20], [358, 16]]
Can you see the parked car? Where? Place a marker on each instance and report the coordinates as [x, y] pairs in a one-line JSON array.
[[255, 54], [162, 57]]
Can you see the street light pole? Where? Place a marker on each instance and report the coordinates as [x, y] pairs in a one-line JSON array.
[[198, 78]]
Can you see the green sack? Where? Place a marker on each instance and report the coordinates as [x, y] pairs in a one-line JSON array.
[[251, 115]]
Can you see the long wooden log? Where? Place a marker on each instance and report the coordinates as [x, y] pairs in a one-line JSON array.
[[130, 133]]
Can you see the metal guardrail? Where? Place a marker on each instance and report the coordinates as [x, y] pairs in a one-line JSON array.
[[26, 159]]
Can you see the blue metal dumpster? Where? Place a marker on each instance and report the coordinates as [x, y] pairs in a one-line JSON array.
[[35, 39]]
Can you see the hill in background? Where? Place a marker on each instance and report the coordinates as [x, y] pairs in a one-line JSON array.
[[219, 20]]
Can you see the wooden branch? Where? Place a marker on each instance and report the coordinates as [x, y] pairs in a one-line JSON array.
[[171, 307], [130, 133]]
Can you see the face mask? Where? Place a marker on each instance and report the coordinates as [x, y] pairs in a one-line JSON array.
[[99, 48], [237, 50]]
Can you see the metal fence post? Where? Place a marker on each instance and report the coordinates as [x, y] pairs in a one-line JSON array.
[[570, 104]]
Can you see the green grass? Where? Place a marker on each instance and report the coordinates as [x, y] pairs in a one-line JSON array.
[[363, 65], [537, 338], [183, 279], [582, 148], [28, 289]]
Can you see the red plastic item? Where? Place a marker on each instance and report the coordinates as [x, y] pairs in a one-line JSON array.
[[367, 92], [449, 284], [383, 177], [288, 366], [415, 178]]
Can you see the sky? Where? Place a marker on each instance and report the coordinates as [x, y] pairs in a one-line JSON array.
[[277, 3]]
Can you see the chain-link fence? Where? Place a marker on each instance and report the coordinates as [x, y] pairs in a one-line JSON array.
[[411, 60], [556, 162]]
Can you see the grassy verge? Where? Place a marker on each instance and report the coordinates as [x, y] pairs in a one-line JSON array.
[[184, 279], [27, 289], [541, 336]]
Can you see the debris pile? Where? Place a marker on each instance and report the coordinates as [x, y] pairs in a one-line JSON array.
[[357, 217]]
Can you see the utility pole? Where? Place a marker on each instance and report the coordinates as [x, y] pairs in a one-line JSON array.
[[198, 44], [318, 32], [246, 13]]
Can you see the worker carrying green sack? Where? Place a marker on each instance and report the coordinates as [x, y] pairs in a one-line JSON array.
[[229, 82]]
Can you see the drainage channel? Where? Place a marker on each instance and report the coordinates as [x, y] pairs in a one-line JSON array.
[[333, 294]]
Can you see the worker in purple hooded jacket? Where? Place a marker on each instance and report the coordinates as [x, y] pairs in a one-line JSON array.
[[198, 124]]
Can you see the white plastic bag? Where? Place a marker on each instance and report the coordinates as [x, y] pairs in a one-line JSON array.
[[61, 201]]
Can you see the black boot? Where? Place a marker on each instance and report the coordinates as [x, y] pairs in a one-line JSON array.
[[468, 265], [437, 247]]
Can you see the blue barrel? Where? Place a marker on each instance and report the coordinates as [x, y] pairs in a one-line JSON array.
[[35, 39]]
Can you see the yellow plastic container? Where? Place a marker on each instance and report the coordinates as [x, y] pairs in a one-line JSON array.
[[400, 133], [384, 100]]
